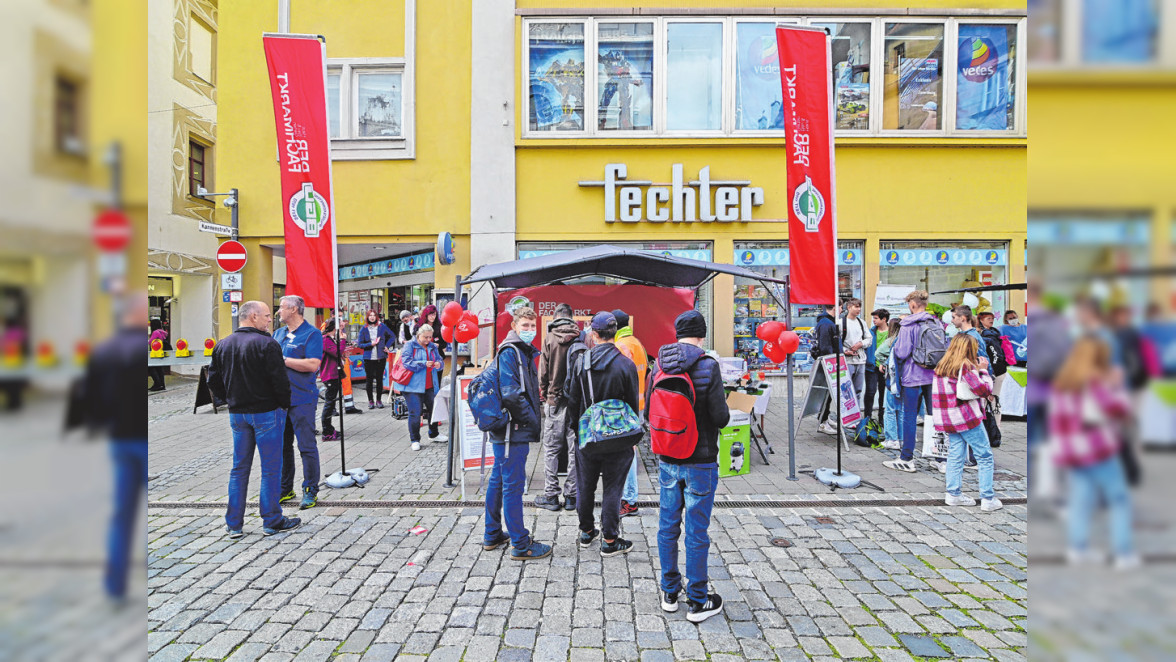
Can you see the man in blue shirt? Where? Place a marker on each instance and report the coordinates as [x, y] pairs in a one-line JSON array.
[[302, 349]]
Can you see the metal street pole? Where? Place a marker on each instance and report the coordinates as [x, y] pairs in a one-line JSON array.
[[453, 403], [234, 204], [789, 367]]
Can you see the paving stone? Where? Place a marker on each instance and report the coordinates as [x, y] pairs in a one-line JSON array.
[[923, 646], [963, 647], [849, 647], [221, 645]]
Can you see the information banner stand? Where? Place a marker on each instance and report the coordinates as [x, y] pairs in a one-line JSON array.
[[820, 396], [204, 394], [472, 447]]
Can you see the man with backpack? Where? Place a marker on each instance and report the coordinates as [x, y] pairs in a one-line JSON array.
[[632, 348], [518, 386], [558, 431], [604, 378], [855, 340], [920, 345], [826, 333], [687, 408]]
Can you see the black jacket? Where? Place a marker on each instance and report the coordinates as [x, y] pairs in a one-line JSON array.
[[115, 374], [249, 373], [826, 332], [710, 400], [614, 377], [994, 352], [519, 392]]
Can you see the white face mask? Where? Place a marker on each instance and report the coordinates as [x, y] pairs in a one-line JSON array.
[[1015, 322]]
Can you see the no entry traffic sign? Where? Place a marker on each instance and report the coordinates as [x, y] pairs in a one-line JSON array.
[[231, 256], [112, 231]]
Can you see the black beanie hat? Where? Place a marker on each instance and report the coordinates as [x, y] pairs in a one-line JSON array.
[[622, 318], [690, 324]]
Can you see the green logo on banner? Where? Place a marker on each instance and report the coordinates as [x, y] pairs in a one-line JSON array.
[[809, 205]]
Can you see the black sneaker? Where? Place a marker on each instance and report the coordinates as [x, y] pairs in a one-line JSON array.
[[287, 524], [698, 612], [547, 503], [586, 537], [669, 601], [569, 503], [618, 546]]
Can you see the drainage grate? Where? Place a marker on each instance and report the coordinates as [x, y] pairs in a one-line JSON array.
[[781, 542], [812, 503]]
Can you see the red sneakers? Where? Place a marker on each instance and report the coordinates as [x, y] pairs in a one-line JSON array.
[[628, 509]]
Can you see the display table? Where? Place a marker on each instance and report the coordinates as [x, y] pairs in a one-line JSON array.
[[1158, 427], [1012, 392]]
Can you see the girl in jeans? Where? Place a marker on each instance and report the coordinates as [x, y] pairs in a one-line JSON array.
[[1087, 405], [960, 414]]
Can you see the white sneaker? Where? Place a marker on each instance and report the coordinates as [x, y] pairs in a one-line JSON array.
[[989, 505], [1128, 562], [439, 439], [942, 467], [825, 428], [919, 421], [1077, 557], [892, 445], [416, 445], [958, 500], [900, 465]]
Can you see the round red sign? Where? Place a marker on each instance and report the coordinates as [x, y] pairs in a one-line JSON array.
[[112, 230], [231, 256]]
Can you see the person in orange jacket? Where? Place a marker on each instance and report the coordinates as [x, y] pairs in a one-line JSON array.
[[631, 347]]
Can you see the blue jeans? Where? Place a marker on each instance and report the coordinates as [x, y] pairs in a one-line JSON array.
[[1107, 480], [957, 449], [1037, 430], [419, 403], [690, 487], [300, 424], [911, 398], [630, 493], [264, 432], [129, 457], [890, 417], [504, 495]]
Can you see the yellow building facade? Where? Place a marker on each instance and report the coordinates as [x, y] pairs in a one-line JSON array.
[[513, 138]]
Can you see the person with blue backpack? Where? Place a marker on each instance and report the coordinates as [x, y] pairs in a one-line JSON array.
[[517, 384]]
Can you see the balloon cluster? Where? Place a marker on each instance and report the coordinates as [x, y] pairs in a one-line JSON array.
[[779, 342], [457, 324]]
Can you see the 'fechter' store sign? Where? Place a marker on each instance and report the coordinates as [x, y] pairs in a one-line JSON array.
[[633, 200]]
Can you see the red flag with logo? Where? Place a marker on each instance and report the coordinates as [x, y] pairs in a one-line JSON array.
[[298, 80], [806, 73]]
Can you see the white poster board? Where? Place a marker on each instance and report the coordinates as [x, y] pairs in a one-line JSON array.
[[850, 411], [471, 436], [891, 297]]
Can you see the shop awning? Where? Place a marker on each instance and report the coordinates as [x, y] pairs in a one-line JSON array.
[[631, 264]]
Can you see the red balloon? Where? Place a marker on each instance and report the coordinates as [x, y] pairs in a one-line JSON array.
[[465, 331], [469, 315], [789, 341], [447, 333], [769, 331], [775, 354], [451, 314], [760, 374]]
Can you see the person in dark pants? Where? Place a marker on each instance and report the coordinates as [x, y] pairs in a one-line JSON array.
[[614, 377], [880, 319], [116, 365], [914, 380], [331, 377], [688, 485], [423, 359], [248, 372], [374, 339], [519, 393], [302, 347]]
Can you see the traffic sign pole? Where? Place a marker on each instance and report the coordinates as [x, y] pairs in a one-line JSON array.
[[231, 257]]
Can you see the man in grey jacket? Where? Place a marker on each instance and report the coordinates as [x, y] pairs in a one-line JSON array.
[[558, 433]]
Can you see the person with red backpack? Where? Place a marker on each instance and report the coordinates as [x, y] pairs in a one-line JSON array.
[[686, 408]]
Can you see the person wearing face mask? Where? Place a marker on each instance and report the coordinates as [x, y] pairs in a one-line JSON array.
[[1018, 335]]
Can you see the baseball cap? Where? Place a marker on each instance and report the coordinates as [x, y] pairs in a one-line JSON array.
[[603, 320]]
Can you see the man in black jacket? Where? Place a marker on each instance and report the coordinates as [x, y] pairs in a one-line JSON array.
[[826, 331], [249, 373], [614, 377], [688, 485]]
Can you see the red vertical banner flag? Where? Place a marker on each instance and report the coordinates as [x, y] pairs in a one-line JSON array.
[[298, 82], [806, 74]]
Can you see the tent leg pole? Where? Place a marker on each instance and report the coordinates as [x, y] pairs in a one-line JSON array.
[[837, 411], [342, 414], [453, 404], [789, 367]]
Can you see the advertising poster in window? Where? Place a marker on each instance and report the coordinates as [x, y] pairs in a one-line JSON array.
[[918, 85], [625, 76], [982, 84], [758, 95], [556, 52]]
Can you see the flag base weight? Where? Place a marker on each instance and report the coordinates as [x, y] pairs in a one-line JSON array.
[[846, 479], [353, 477]]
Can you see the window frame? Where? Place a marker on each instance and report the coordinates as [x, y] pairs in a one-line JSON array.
[[877, 24], [349, 145], [62, 141], [206, 178], [1070, 39]]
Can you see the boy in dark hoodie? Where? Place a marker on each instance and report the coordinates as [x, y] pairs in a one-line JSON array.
[[614, 377], [692, 481], [557, 429], [827, 344]]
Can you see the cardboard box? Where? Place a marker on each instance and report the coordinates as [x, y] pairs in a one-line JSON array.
[[741, 402]]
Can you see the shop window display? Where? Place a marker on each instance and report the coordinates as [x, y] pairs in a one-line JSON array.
[[986, 75], [694, 68], [913, 78], [556, 62], [758, 96], [754, 303], [940, 266], [624, 75], [850, 43]]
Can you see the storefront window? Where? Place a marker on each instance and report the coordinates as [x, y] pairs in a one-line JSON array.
[[913, 77], [378, 105], [1063, 246], [694, 80], [758, 96], [624, 67], [851, 73], [1124, 31], [754, 304], [556, 61], [986, 77], [333, 112], [1045, 20], [941, 266]]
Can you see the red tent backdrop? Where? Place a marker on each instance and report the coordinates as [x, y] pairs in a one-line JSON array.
[[651, 309]]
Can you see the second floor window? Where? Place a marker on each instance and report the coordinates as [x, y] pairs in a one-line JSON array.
[[197, 167], [67, 117]]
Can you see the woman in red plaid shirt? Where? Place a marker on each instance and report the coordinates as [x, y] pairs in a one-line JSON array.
[[961, 384]]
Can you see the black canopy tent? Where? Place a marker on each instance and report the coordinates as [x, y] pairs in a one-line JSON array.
[[985, 288], [630, 264]]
